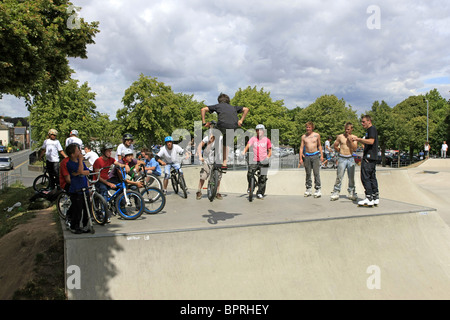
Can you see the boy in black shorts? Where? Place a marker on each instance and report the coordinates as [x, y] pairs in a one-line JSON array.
[[227, 118]]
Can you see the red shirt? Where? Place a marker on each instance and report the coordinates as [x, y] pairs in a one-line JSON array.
[[63, 172], [101, 163]]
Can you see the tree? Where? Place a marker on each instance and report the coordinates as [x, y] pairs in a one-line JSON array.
[[153, 111], [70, 107], [263, 110], [35, 42], [329, 115]]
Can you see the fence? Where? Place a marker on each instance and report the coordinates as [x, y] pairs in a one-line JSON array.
[[8, 178]]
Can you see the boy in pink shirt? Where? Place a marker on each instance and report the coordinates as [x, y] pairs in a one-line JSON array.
[[262, 151]]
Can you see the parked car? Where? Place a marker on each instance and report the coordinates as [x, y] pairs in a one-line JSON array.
[[6, 163], [3, 149]]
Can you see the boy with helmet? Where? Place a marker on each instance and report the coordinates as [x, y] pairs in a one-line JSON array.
[[169, 156], [127, 143], [130, 164], [52, 148], [105, 160], [262, 151], [73, 138]]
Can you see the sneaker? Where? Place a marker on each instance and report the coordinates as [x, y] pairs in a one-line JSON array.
[[352, 196], [308, 192], [334, 196], [376, 202], [164, 192], [198, 195], [260, 196], [76, 230], [317, 193], [219, 196], [366, 203]]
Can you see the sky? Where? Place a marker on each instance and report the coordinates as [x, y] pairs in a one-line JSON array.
[[361, 51]]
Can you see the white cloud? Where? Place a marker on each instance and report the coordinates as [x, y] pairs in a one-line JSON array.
[[297, 50]]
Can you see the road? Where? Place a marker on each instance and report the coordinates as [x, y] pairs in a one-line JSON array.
[[21, 172]]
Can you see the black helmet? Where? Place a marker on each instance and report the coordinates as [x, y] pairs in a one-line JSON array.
[[128, 136], [105, 147]]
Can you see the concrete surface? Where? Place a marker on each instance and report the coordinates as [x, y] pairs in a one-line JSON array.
[[283, 247]]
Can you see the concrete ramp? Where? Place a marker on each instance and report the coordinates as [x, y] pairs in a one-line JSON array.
[[283, 247]]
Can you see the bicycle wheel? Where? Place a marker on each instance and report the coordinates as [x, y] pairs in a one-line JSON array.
[[154, 200], [41, 183], [99, 209], [174, 180], [153, 182], [63, 204], [212, 185], [251, 188], [133, 209], [183, 185]]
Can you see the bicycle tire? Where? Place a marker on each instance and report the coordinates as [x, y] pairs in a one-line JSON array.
[[100, 210], [154, 200], [132, 211], [41, 183], [63, 204], [212, 185], [183, 185], [251, 188], [153, 182], [174, 180]]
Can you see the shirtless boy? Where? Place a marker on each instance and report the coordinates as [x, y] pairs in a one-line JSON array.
[[313, 159], [345, 145]]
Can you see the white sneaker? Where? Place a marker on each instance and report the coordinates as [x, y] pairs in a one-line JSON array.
[[308, 193], [376, 202], [352, 196], [317, 193], [366, 203], [334, 196]]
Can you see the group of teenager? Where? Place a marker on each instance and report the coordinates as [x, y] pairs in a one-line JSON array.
[[71, 173]]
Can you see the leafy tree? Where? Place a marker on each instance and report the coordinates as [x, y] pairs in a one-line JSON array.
[[329, 115], [153, 111], [35, 41], [263, 110], [70, 107]]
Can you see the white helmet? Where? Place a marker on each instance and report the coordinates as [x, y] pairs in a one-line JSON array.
[[126, 152], [74, 132], [260, 126]]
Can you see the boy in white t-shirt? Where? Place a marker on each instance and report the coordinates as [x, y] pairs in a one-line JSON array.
[[52, 149], [169, 156], [262, 151]]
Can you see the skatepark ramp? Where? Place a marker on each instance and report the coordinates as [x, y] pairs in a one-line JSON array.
[[283, 247]]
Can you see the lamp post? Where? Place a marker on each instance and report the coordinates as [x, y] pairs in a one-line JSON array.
[[427, 119]]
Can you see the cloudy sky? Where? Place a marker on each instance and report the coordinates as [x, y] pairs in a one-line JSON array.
[[361, 51]]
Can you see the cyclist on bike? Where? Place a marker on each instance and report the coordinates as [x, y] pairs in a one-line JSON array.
[[52, 148], [208, 160], [105, 160], [227, 118], [169, 156], [262, 151], [151, 165], [127, 143], [131, 168]]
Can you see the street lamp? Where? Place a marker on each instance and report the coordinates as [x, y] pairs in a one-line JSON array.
[[427, 119]]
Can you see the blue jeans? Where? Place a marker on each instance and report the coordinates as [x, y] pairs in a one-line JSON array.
[[343, 164]]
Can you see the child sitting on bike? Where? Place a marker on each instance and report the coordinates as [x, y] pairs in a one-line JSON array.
[[262, 151], [105, 160], [131, 168], [151, 165], [78, 180], [169, 156], [208, 160]]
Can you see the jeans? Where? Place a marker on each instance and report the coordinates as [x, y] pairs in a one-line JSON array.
[[348, 164], [312, 163], [369, 178]]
